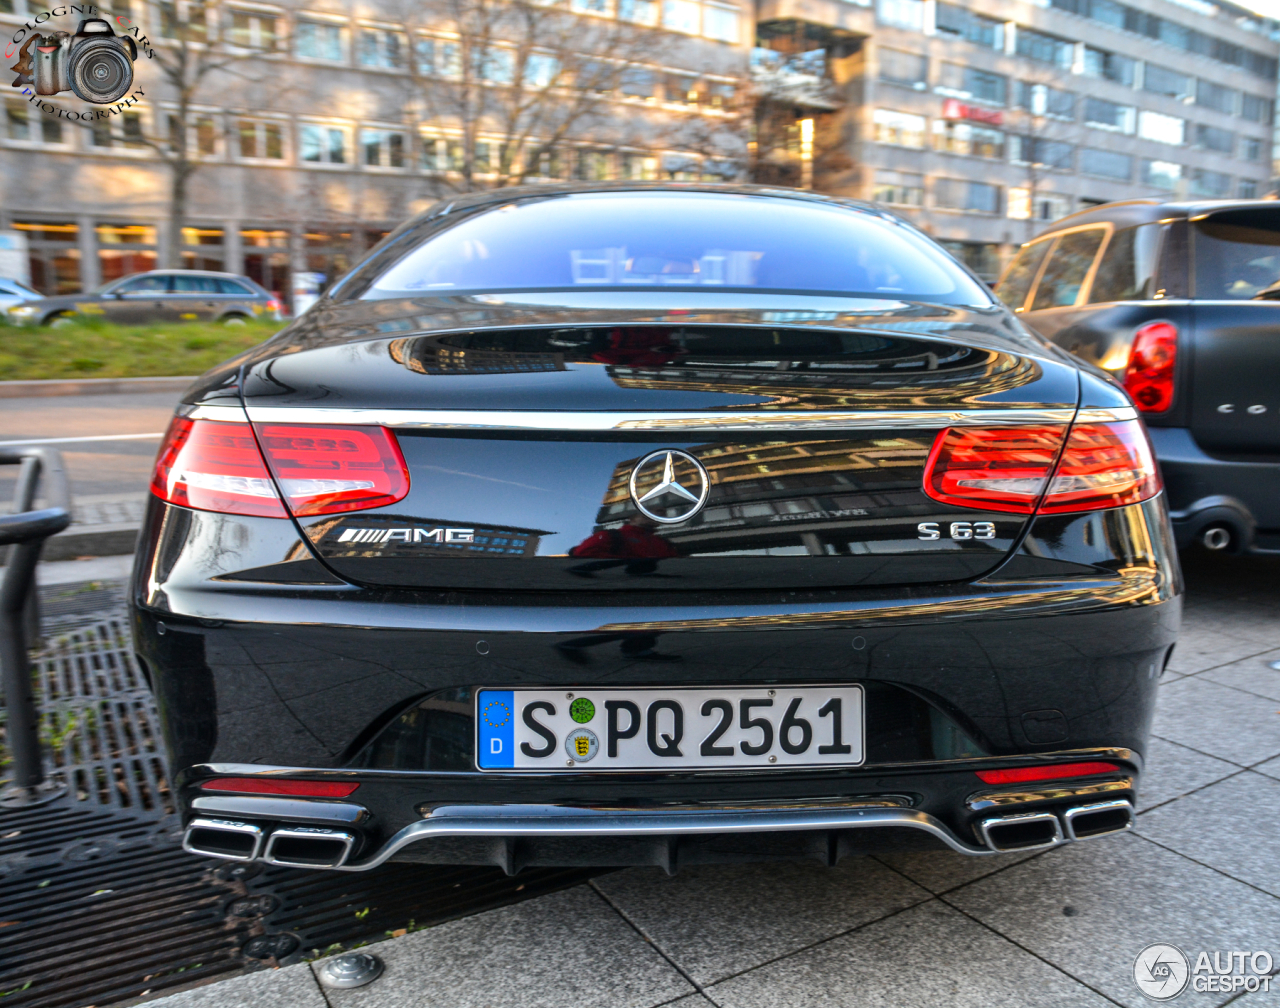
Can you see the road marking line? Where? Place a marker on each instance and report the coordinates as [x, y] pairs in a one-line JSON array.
[[99, 437]]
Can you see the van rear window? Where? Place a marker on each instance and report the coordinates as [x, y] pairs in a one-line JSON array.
[[1237, 254]]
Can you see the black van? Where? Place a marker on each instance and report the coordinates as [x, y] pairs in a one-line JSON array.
[[1180, 302]]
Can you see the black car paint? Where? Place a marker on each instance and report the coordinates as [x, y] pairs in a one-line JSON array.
[[1218, 443], [266, 653]]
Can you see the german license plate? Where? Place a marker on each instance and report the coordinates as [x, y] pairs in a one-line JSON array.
[[664, 729]]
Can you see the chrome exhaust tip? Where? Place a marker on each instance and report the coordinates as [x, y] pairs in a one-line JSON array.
[[1084, 822], [1215, 537], [1021, 832], [308, 847], [223, 838]]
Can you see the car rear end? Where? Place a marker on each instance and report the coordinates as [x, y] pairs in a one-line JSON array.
[[555, 586]]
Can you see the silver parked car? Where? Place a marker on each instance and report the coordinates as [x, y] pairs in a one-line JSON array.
[[14, 293], [158, 296]]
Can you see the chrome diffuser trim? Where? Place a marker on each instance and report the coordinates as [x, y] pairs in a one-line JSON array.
[[307, 833], [223, 826], [565, 821], [533, 420], [986, 825], [1069, 818]]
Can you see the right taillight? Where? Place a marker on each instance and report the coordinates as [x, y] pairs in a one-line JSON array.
[[1148, 377], [1012, 469]]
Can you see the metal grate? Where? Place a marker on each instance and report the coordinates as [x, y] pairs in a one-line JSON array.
[[98, 902]]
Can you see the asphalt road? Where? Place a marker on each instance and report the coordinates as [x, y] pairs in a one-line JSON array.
[[95, 467]]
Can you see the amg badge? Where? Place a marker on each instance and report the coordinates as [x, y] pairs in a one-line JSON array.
[[407, 535]]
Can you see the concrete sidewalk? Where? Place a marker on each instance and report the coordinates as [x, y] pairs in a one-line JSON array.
[[1058, 929]]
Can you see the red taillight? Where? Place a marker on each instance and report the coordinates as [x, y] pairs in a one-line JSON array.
[[213, 465], [274, 305], [327, 470], [1103, 465], [258, 785], [1033, 773], [1148, 377]]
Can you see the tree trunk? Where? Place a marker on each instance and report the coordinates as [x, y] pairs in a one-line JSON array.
[[177, 212]]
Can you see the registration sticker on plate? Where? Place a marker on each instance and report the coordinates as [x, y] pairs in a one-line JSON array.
[[664, 729]]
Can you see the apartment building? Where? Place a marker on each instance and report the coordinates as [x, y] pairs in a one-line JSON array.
[[315, 138], [983, 120]]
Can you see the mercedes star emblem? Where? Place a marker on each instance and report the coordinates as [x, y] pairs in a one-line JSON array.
[[682, 487]]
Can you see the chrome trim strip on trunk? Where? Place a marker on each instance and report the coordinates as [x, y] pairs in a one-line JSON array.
[[565, 821], [675, 422], [276, 807]]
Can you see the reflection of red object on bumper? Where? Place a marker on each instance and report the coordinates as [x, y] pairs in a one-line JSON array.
[[638, 347], [625, 543]]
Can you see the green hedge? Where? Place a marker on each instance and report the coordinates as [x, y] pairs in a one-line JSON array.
[[96, 349]]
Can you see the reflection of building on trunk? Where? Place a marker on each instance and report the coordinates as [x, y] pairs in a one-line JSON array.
[[427, 356], [487, 540], [788, 498]]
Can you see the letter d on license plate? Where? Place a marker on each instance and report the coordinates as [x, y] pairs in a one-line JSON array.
[[654, 729]]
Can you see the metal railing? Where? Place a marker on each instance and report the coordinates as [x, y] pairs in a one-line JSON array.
[[25, 531]]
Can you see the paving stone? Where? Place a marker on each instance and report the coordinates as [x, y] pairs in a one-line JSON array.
[[568, 948], [1251, 675], [1271, 768], [1200, 649], [691, 1001], [1213, 827], [939, 871], [1125, 893], [928, 956], [716, 920], [1219, 720], [291, 987], [1172, 770]]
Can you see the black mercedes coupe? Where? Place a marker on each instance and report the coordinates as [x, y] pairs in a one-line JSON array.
[[653, 524]]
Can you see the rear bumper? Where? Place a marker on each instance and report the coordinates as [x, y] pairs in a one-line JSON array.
[[1204, 492]]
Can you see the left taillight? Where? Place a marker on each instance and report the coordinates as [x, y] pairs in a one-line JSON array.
[[215, 465], [1012, 469], [1153, 356], [235, 468]]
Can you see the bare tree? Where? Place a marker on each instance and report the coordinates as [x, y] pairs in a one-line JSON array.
[[1045, 131]]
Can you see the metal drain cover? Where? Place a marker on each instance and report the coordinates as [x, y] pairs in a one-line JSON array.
[[355, 969]]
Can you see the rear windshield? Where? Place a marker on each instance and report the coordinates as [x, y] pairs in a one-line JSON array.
[[637, 241], [1237, 254]]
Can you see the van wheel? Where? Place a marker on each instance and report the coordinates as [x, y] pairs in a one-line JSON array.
[[234, 320], [58, 321]]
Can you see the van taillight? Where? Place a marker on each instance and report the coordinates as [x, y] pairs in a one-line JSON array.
[[1148, 377], [1012, 469], [216, 465]]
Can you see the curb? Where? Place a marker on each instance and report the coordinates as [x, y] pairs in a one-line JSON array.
[[91, 540], [92, 386]]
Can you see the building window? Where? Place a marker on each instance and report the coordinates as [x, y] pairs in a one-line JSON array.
[[252, 31], [1043, 207], [202, 248], [1045, 48], [1040, 99], [720, 23], [442, 155], [902, 67], [1250, 149], [966, 138], [962, 22], [315, 40], [1040, 151], [383, 49], [1159, 80], [968, 82], [125, 249], [53, 256], [961, 194], [1217, 97], [439, 57], [182, 20], [1214, 139], [493, 64], [202, 135], [981, 257], [637, 82], [1209, 183], [382, 148], [899, 128], [1248, 189], [1162, 128], [1106, 164], [639, 11], [900, 188], [639, 166], [263, 140], [1161, 174], [1109, 66], [682, 16], [1109, 116], [1257, 109], [907, 14], [22, 123], [592, 166], [323, 144]]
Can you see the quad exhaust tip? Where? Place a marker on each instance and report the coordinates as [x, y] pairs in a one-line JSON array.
[[308, 847], [223, 838], [1035, 830]]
